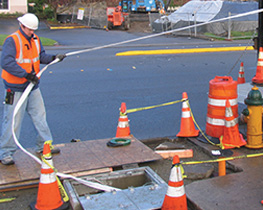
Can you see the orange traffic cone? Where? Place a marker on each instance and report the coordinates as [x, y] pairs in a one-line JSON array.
[[231, 137], [48, 196], [258, 79], [175, 197], [187, 124], [123, 129], [241, 74]]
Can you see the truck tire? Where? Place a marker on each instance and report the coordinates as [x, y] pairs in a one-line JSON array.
[[126, 23], [109, 25]]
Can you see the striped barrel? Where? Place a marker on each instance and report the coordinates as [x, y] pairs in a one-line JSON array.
[[221, 88]]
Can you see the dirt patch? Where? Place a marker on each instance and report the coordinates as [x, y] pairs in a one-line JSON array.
[[143, 27]]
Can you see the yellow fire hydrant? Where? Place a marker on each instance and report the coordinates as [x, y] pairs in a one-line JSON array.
[[253, 118]]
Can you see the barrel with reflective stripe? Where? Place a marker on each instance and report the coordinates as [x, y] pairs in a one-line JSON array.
[[221, 88]]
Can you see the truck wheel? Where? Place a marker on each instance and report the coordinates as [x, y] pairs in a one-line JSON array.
[[109, 25], [126, 23]]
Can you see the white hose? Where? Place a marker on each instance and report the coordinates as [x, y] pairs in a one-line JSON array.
[[31, 85]]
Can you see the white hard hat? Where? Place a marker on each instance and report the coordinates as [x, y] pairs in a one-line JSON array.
[[29, 20]]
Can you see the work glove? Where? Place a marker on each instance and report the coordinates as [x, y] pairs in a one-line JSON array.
[[60, 57], [31, 77]]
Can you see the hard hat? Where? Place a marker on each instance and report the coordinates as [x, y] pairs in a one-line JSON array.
[[29, 20]]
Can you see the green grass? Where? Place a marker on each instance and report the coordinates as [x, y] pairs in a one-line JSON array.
[[235, 35], [45, 41]]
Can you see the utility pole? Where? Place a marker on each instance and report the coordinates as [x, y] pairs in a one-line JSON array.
[[260, 25], [258, 78]]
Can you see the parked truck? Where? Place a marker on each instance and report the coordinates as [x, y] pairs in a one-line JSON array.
[[142, 5]]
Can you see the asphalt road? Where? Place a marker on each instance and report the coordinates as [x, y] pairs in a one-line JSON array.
[[84, 92]]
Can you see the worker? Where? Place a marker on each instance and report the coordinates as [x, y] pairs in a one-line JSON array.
[[22, 54]]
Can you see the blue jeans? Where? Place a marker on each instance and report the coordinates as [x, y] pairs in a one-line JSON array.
[[34, 106]]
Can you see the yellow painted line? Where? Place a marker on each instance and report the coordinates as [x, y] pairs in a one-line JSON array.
[[66, 27], [182, 51]]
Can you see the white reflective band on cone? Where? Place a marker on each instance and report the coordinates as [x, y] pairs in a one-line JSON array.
[[213, 121], [186, 114], [47, 178], [229, 112], [176, 174], [45, 165], [123, 124], [231, 123], [260, 63], [221, 102], [175, 191], [185, 105]]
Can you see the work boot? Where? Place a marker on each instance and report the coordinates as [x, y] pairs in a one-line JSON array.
[[54, 150], [8, 160]]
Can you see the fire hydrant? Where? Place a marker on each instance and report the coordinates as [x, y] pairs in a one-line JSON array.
[[253, 118]]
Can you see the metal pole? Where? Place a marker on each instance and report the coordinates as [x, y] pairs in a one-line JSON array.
[[229, 27], [195, 23], [260, 25]]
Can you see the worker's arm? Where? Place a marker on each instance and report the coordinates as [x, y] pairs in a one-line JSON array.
[[44, 57], [8, 59], [47, 58]]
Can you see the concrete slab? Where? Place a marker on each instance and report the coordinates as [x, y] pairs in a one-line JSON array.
[[242, 190]]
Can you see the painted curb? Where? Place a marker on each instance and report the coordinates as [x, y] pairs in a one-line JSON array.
[[183, 51]]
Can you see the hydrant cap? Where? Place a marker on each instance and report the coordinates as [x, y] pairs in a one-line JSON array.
[[254, 97]]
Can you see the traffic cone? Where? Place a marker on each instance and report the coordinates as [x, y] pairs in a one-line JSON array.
[[175, 197], [48, 196], [123, 129], [241, 74], [258, 79], [231, 136], [187, 124]]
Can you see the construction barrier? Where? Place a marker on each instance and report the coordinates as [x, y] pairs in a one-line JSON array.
[[175, 197], [123, 128], [241, 74], [220, 89], [258, 79], [187, 128], [48, 196], [231, 136]]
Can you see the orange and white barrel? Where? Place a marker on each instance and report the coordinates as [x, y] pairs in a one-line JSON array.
[[221, 88]]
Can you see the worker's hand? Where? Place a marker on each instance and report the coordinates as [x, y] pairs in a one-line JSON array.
[[60, 57], [31, 77]]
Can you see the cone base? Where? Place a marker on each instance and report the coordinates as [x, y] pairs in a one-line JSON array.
[[192, 134], [240, 143], [178, 203], [257, 81], [240, 81], [234, 146], [62, 207]]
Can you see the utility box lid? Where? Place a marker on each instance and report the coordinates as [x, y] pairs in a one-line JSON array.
[[141, 188]]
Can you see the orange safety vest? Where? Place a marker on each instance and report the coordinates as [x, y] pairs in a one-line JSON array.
[[27, 56]]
